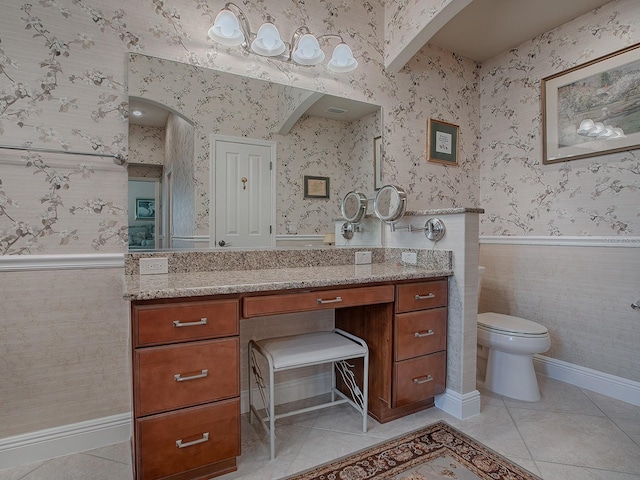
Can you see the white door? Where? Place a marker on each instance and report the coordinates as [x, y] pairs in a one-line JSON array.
[[244, 196]]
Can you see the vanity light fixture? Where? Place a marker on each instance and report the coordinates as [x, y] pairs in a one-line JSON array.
[[232, 29]]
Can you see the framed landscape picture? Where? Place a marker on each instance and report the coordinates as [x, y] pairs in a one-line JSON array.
[[593, 108]]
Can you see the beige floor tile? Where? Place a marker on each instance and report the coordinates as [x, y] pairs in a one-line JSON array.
[[494, 427], [579, 440], [614, 408], [80, 467], [557, 396], [555, 471]]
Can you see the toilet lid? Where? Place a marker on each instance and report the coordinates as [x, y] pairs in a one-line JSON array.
[[510, 324]]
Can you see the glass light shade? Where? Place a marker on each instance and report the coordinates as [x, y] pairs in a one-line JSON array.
[[308, 51], [226, 29], [268, 41], [342, 59]]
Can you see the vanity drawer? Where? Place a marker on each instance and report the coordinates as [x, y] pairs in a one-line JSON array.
[[176, 322], [419, 378], [177, 376], [187, 440], [416, 296], [317, 300], [419, 333]]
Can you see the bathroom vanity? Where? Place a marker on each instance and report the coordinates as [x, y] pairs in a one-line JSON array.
[[186, 347]]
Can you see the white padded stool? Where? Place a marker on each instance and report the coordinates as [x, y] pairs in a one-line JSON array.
[[296, 351]]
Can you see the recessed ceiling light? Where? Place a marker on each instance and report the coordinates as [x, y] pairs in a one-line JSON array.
[[137, 113]]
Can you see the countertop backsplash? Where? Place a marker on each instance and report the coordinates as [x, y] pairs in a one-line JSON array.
[[213, 260]]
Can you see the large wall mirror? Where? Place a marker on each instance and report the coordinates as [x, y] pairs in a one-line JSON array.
[[184, 119]]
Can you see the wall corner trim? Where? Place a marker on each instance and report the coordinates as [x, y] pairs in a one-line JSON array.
[[13, 263], [459, 405]]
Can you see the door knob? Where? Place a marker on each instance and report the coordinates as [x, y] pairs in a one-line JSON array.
[[222, 243], [636, 306]]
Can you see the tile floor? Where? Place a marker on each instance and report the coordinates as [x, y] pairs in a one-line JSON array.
[[569, 434]]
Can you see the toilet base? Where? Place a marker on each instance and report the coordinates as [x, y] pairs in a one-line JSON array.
[[512, 375]]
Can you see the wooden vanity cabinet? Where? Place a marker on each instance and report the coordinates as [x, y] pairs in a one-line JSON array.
[[407, 347], [186, 388]]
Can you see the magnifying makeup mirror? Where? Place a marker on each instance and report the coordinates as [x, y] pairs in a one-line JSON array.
[[354, 209], [390, 204]]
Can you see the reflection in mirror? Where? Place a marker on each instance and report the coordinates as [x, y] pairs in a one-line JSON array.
[[390, 204], [315, 134], [354, 207]]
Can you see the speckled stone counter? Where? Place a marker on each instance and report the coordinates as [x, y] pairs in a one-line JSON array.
[[241, 271], [149, 287]]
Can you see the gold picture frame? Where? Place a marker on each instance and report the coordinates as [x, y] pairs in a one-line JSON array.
[[442, 142], [593, 108]]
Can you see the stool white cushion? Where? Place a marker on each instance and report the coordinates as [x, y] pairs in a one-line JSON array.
[[309, 349]]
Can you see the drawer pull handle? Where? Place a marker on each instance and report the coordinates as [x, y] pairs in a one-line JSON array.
[[335, 300], [178, 323], [424, 334], [179, 378], [419, 381], [425, 297], [205, 438]]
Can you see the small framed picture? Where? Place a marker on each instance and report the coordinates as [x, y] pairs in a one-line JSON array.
[[145, 209], [442, 142], [316, 187]]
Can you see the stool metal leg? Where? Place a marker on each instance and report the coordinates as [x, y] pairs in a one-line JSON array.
[[272, 411]]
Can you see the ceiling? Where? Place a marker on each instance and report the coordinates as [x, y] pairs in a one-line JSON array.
[[328, 106], [486, 28]]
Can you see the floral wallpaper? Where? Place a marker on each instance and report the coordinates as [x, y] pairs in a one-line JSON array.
[[405, 19], [179, 154], [63, 69], [592, 196], [146, 145]]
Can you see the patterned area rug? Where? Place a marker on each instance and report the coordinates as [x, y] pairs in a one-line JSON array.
[[435, 452]]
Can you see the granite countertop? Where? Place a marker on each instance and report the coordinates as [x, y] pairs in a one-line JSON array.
[[174, 285]]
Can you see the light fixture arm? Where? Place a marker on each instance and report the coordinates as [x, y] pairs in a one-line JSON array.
[[244, 24]]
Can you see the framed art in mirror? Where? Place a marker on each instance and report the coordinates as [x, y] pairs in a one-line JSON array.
[[593, 108], [145, 208], [442, 142], [377, 162], [316, 187]]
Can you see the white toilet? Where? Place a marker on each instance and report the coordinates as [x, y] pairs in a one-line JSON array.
[[506, 346]]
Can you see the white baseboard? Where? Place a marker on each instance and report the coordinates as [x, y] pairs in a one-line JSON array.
[[79, 437], [593, 380], [459, 405], [64, 440]]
